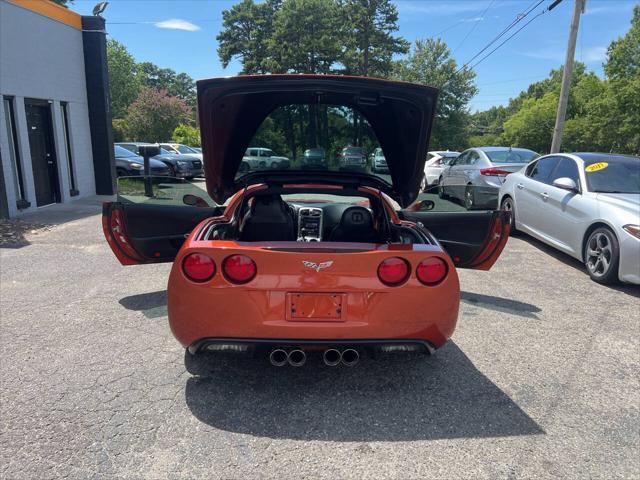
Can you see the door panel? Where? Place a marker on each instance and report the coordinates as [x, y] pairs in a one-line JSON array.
[[139, 233], [472, 239], [531, 198], [43, 155]]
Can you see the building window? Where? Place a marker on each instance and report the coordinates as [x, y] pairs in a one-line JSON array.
[[67, 140], [14, 153]]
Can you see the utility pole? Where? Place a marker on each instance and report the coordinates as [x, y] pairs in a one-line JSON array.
[[578, 9]]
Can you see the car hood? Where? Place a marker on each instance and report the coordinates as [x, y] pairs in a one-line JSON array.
[[137, 159], [231, 110], [629, 202], [175, 157]]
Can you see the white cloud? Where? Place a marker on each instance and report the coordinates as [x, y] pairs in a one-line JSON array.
[[594, 54], [177, 24], [441, 8], [588, 55]]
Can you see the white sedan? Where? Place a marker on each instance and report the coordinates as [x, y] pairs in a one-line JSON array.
[[436, 161], [584, 204]]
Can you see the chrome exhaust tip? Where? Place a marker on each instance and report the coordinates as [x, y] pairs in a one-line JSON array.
[[350, 357], [297, 358], [331, 357], [278, 357]]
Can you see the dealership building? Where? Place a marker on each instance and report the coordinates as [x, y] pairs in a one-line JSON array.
[[55, 123]]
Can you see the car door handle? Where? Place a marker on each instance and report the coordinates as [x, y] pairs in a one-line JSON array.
[[545, 196], [520, 186]]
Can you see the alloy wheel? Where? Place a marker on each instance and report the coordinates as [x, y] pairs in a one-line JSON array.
[[599, 254]]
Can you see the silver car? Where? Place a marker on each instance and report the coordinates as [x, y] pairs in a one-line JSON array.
[[584, 204], [477, 174]]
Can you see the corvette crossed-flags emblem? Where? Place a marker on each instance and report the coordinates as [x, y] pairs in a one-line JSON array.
[[317, 266]]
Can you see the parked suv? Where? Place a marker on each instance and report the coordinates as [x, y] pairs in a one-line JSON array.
[[261, 158], [475, 177], [379, 162], [352, 158], [129, 164], [180, 149], [314, 158], [181, 166]]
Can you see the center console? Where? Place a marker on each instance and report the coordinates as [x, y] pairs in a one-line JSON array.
[[310, 224]]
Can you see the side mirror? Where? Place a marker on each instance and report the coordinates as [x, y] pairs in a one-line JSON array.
[[565, 183], [194, 201], [422, 206], [149, 150]]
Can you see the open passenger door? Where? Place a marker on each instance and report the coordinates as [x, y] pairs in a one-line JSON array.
[[473, 239], [152, 229]]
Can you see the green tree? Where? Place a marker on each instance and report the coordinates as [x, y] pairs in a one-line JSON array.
[[155, 115], [178, 85], [245, 33], [532, 125], [369, 43], [430, 63], [304, 37], [124, 82], [623, 54], [187, 135]]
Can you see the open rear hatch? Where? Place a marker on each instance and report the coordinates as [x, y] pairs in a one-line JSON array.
[[232, 109]]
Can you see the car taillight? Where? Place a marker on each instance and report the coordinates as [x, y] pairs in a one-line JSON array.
[[239, 269], [198, 267], [495, 172], [431, 271], [393, 271]]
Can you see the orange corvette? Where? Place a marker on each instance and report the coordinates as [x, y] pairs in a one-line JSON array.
[[311, 251]]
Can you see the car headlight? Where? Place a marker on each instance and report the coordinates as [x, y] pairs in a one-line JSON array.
[[632, 229], [136, 166]]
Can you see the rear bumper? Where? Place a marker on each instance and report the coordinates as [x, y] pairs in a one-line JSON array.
[[263, 309], [246, 345]]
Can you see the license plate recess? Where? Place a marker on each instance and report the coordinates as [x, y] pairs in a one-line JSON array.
[[314, 307]]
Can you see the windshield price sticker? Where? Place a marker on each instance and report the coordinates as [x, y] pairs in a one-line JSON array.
[[596, 166]]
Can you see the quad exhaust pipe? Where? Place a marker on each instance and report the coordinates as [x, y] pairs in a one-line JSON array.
[[279, 357], [331, 357]]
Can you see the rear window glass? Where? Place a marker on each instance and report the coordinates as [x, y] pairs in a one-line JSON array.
[[511, 156], [316, 137]]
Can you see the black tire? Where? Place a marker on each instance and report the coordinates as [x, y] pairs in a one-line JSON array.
[[121, 172], [441, 193], [507, 205], [602, 256], [469, 197]]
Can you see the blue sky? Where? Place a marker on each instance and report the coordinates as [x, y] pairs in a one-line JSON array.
[[180, 34]]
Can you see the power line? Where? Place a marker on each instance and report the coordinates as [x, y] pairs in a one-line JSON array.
[[475, 24], [507, 39], [514, 22]]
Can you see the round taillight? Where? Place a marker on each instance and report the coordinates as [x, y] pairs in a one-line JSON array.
[[393, 271], [239, 269], [432, 270], [198, 267]]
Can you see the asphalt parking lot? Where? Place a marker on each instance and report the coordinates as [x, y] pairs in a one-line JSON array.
[[540, 380]]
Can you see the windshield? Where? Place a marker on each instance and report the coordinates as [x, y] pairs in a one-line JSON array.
[[613, 174], [315, 137], [164, 151], [185, 149], [122, 152], [511, 156], [325, 198]]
